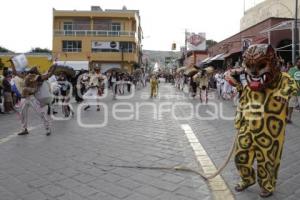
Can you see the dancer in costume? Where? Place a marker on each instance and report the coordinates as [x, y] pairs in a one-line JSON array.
[[261, 117], [202, 79], [32, 81], [95, 84], [154, 86]]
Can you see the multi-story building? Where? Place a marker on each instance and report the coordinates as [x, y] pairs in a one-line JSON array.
[[107, 38], [267, 9]]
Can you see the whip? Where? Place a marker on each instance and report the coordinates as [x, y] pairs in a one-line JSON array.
[[180, 167]]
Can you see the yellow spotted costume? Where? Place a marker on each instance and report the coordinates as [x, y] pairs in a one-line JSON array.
[[260, 117], [154, 87], [260, 120]]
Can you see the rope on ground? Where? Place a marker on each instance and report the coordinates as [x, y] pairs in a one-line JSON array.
[[181, 168]]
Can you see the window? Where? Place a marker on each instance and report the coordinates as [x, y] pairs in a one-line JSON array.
[[71, 46], [101, 25], [115, 28], [82, 24], [68, 28], [127, 46]]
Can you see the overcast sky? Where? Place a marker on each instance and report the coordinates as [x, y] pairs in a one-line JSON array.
[[28, 23]]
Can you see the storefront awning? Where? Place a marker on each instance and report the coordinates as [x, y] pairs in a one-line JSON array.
[[218, 57], [281, 26], [232, 51], [205, 60], [76, 65], [263, 40]]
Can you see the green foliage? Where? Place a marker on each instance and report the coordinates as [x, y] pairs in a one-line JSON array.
[[210, 43], [4, 50], [40, 50]]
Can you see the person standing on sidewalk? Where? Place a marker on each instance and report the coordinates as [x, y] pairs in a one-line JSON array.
[[218, 79], [260, 117], [1, 93], [32, 81], [113, 83], [294, 102], [65, 94], [7, 91]]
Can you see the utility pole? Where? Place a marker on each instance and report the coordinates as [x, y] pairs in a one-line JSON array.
[[185, 42], [122, 56], [296, 34]]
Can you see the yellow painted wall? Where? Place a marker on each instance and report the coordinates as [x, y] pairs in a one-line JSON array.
[[128, 21], [33, 60], [86, 49]]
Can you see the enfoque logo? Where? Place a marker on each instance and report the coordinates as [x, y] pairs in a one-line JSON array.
[[181, 111]]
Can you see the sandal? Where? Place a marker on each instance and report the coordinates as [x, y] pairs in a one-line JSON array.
[[241, 186], [265, 193]]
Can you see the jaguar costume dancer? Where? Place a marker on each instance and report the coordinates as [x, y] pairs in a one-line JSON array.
[[261, 117], [95, 87]]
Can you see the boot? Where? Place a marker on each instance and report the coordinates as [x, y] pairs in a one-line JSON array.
[[24, 132]]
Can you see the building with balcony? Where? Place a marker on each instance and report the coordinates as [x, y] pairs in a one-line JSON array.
[[107, 38]]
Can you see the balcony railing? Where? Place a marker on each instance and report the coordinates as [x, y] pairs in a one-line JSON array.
[[100, 33]]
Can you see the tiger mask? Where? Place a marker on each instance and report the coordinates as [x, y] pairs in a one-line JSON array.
[[259, 62]]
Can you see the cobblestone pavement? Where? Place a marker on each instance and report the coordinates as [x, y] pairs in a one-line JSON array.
[[76, 162]]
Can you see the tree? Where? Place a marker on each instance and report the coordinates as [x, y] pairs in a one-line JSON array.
[[40, 50], [210, 43], [4, 50]]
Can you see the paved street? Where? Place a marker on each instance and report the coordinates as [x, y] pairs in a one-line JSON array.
[[78, 162]]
